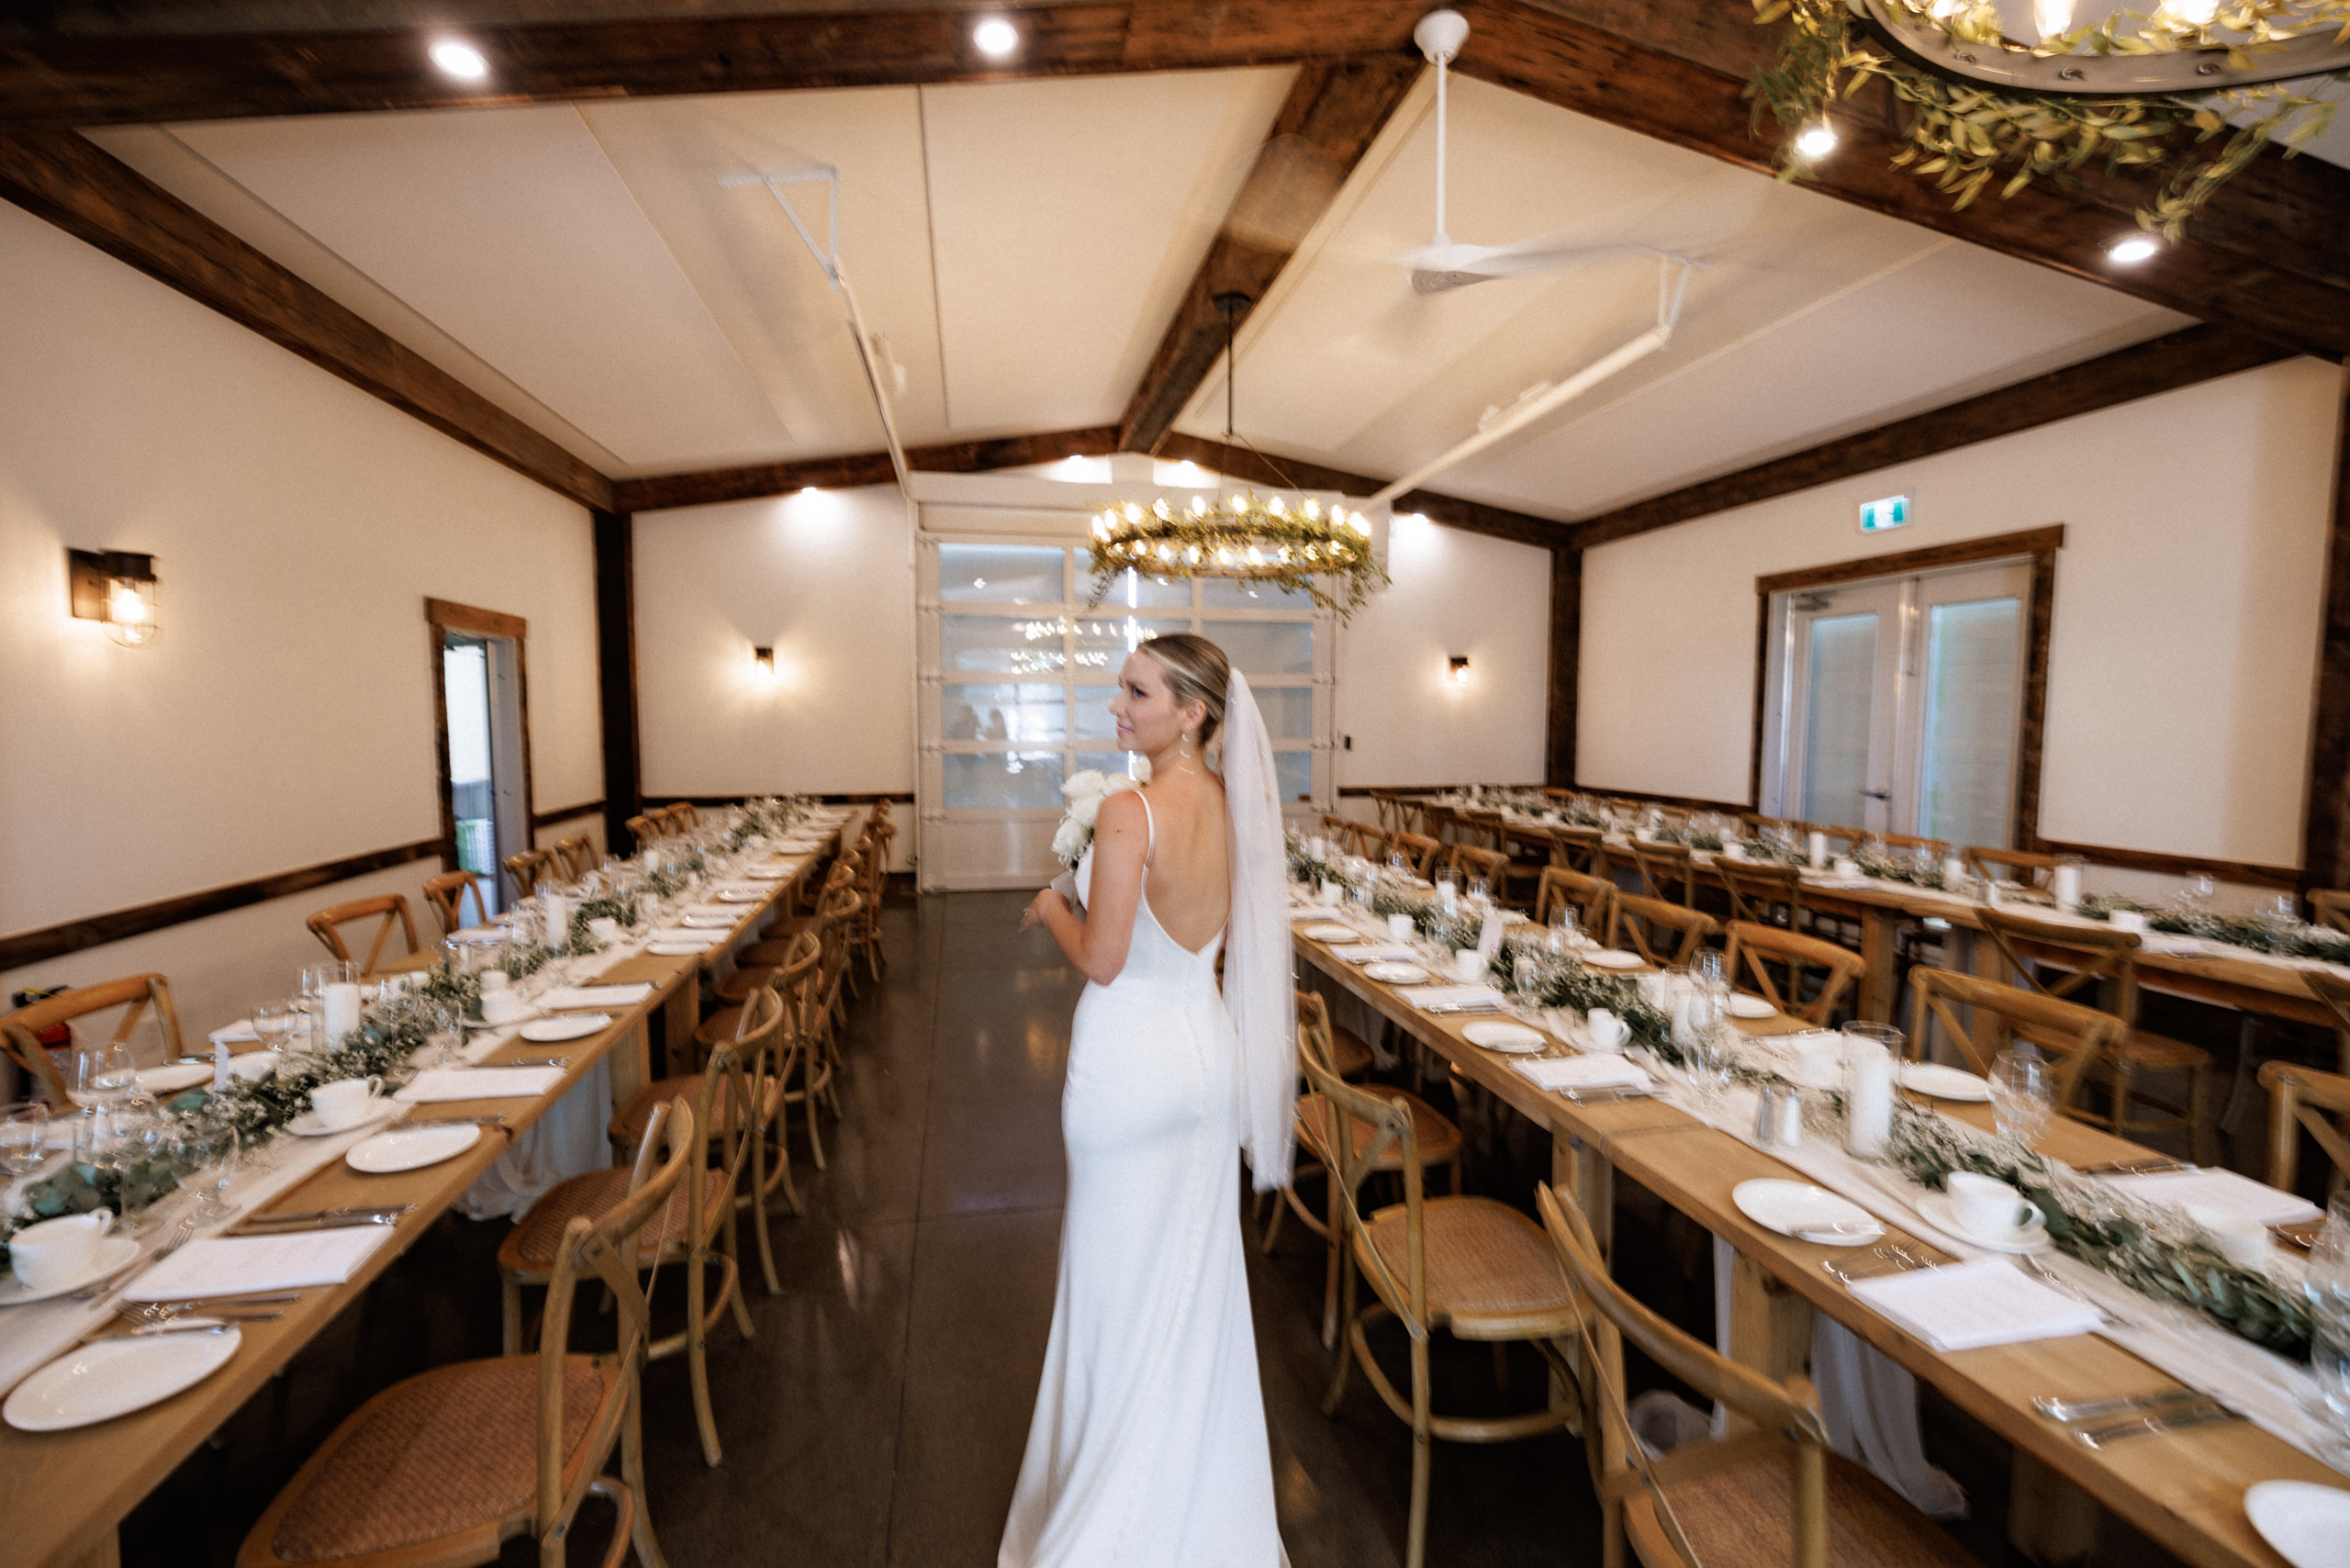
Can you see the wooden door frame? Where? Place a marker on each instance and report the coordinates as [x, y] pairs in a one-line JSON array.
[[2037, 545], [443, 616]]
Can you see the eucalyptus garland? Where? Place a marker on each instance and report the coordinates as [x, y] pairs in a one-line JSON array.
[[2260, 933]]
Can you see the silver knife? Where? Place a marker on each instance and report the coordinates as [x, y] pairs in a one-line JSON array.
[[299, 1216], [336, 1222], [2163, 1420], [2072, 1411], [2133, 1168], [1607, 1096]]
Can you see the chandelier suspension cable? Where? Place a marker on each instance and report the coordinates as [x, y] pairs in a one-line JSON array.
[[1232, 303]]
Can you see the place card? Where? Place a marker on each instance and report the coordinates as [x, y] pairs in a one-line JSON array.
[[1555, 1073], [1964, 1306], [564, 997], [242, 1265], [480, 1083]]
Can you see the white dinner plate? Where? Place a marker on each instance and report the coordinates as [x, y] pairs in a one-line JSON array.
[[1944, 1082], [2307, 1524], [254, 1064], [706, 922], [171, 1080], [306, 1123], [112, 1377], [1794, 1207], [116, 1253], [741, 895], [1311, 911], [412, 1148], [1395, 974], [2032, 1238], [568, 1026], [679, 949], [1331, 932], [1513, 1039], [1743, 1006], [1611, 958], [765, 873]]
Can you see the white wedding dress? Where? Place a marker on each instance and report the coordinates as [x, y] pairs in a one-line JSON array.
[[1147, 1449]]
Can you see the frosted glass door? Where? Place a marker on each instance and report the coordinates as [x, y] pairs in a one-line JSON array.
[[1970, 700], [1846, 660]]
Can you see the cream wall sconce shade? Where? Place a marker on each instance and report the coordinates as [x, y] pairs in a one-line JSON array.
[[1456, 669], [117, 587]]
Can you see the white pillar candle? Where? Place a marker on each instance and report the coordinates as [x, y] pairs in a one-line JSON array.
[[1489, 936], [557, 915], [1447, 899], [1868, 1097], [341, 1015], [220, 1064], [1819, 845], [2066, 885], [1953, 870]]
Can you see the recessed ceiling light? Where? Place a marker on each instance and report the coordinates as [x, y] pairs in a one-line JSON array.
[[809, 490], [996, 38], [1818, 140], [460, 60], [2132, 250]]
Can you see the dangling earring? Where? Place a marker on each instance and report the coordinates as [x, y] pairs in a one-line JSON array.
[[1184, 749]]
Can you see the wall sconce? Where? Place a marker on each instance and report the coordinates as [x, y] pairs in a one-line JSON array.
[[117, 587], [763, 664], [1457, 669]]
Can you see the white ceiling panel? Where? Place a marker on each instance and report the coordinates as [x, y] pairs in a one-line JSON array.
[[1068, 218], [510, 231]]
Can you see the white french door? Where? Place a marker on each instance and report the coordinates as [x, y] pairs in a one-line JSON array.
[[1895, 704]]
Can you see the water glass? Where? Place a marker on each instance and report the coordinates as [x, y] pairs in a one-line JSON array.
[[1528, 972], [23, 1138], [274, 1022], [206, 1164], [2330, 1365], [2023, 1095], [103, 1074]]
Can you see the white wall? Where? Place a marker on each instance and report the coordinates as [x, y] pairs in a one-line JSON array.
[[826, 578], [1454, 593], [2186, 624], [285, 716]]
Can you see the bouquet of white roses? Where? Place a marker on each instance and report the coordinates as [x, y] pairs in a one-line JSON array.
[[1085, 792]]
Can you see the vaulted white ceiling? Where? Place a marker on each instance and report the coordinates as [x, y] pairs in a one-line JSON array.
[[1020, 248]]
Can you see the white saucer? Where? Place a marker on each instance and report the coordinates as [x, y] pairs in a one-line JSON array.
[[1331, 932], [2032, 1237], [679, 949], [1511, 1039], [567, 1026], [413, 1148], [765, 873], [112, 1377], [1944, 1082], [1743, 1006], [706, 922], [1791, 1208], [1395, 974], [2309, 1524], [171, 1080], [116, 1253], [741, 895], [306, 1123], [1611, 958]]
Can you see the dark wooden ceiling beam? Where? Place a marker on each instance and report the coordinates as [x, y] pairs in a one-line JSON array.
[[1334, 111], [1475, 517], [662, 491], [2162, 365], [95, 197]]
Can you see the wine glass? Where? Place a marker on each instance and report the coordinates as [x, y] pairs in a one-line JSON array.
[[104, 1075], [2023, 1095], [206, 1164], [273, 1023], [23, 1138]]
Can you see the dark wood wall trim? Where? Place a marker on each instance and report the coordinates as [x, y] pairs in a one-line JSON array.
[[1566, 668], [2163, 364], [1905, 562], [1334, 111], [98, 199], [666, 490], [2175, 865], [616, 676], [548, 819], [55, 941], [476, 622], [2325, 810]]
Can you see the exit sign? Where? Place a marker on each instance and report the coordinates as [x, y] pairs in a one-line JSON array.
[[1891, 512]]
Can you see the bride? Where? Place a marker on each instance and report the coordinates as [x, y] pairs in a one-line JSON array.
[[1148, 1447]]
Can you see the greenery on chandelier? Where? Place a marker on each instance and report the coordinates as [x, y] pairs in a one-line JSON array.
[[1966, 136], [1245, 536]]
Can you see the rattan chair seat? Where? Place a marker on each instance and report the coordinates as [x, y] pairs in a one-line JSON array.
[[448, 1456], [629, 1121], [1491, 1271], [1348, 1052], [2148, 1052], [1440, 1140], [535, 1243], [1745, 1513]]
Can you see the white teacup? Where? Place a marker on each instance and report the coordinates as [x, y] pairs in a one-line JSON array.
[[605, 930], [502, 1006], [58, 1251], [344, 1104], [1469, 964], [2243, 1242], [2127, 919], [1400, 927], [1735, 850], [1987, 1209], [1821, 1056], [1847, 868], [495, 979], [1606, 1032]]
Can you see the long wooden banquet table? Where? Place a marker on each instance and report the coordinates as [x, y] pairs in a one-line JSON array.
[[2182, 1489], [63, 1494]]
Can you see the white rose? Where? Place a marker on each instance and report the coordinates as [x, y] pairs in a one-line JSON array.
[[1118, 781], [1068, 839], [1084, 783], [1141, 766], [1084, 813]]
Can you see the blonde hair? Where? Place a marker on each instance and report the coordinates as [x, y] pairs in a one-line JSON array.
[[1197, 671]]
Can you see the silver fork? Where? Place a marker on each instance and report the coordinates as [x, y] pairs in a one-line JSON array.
[[179, 1238]]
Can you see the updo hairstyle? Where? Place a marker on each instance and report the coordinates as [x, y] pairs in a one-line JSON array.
[[1197, 671]]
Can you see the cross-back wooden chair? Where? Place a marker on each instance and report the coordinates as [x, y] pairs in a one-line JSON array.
[[2330, 907], [1592, 898], [1438, 1139], [698, 1232], [1764, 946], [1666, 871], [1762, 892], [1582, 849], [1488, 866], [1647, 922], [643, 830], [447, 892], [684, 815], [1471, 1267], [1342, 829], [2100, 959], [2077, 1037], [1775, 1494], [2022, 866], [1390, 810], [387, 909], [2334, 992], [1418, 850], [866, 940], [529, 868], [577, 854], [442, 1467], [775, 937], [2304, 1097], [21, 1031], [1485, 829]]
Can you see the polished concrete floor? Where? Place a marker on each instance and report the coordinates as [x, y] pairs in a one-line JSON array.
[[878, 1417]]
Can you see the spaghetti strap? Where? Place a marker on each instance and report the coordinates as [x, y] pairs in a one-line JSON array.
[[1150, 827]]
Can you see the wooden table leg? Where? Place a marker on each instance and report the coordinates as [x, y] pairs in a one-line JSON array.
[[679, 1020], [1580, 1168], [1770, 1325], [631, 1063], [2050, 1521], [1877, 948], [107, 1553]]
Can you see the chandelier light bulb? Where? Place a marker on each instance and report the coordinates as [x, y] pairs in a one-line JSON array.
[[2053, 17], [995, 37], [460, 60], [2132, 248], [1818, 140], [1199, 506], [2192, 13]]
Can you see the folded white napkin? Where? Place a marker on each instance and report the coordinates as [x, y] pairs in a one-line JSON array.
[[565, 996], [240, 1265], [1452, 995], [480, 1083], [1582, 1072], [2240, 1196], [1378, 952], [1962, 1306]]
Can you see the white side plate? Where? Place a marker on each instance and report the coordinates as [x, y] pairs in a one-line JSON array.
[[1788, 1207], [1332, 932], [306, 1123], [107, 1378], [1513, 1040], [566, 1026], [1611, 958], [172, 1079], [2306, 1523], [412, 1148], [1750, 1007], [1944, 1082], [1395, 974]]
